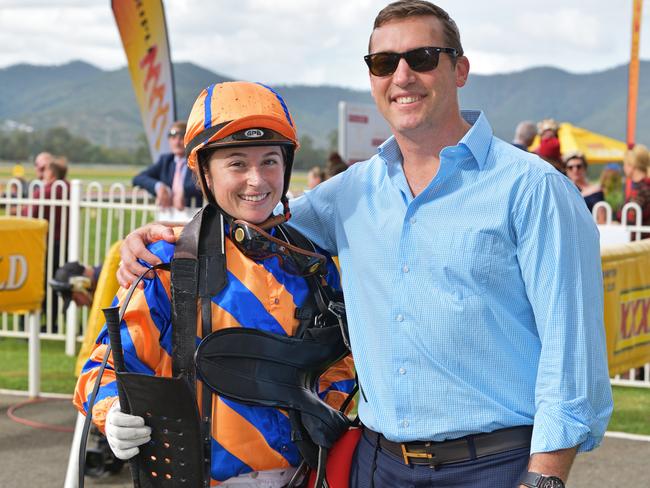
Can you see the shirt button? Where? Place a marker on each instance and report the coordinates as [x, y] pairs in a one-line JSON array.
[[405, 269], [400, 318], [413, 220], [405, 423], [402, 371]]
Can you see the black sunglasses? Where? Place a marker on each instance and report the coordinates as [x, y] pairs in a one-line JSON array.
[[257, 244], [176, 132], [420, 60]]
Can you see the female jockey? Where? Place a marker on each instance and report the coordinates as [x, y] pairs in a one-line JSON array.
[[239, 144]]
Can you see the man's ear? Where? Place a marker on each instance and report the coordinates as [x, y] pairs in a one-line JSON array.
[[462, 71]]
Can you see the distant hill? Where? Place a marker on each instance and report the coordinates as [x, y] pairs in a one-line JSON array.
[[101, 106]]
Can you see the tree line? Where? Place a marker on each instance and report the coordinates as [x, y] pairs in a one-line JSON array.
[[21, 146]]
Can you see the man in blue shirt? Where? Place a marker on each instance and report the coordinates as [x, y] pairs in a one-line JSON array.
[[472, 278]]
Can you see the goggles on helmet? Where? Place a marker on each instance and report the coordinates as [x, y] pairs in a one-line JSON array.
[[257, 244]]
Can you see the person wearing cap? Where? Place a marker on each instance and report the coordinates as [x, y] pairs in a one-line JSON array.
[[549, 144], [547, 129], [240, 144], [168, 179], [472, 278], [576, 170]]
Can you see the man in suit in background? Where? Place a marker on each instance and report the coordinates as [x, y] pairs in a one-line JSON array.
[[168, 179]]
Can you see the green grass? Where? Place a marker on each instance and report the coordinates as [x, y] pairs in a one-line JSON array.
[[57, 369], [631, 405], [631, 410]]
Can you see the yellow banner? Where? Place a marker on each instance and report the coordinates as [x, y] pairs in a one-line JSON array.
[[633, 74], [626, 277], [144, 36], [22, 263]]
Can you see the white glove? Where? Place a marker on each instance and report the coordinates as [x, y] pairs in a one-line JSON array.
[[125, 432]]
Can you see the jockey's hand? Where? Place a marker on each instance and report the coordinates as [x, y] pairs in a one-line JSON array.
[[134, 247], [125, 432]]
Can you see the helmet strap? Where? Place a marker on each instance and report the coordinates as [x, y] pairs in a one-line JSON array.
[[274, 220]]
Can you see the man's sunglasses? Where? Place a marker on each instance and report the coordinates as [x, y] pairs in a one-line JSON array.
[[176, 132], [257, 244], [420, 60]]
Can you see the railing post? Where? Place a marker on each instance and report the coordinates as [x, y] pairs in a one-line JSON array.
[[34, 348], [73, 255]]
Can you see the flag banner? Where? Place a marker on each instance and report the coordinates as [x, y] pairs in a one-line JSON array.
[[633, 75], [626, 278], [22, 264], [144, 36]]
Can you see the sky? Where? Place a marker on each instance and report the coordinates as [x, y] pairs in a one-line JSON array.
[[323, 41]]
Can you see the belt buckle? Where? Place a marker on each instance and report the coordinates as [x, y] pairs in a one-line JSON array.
[[420, 455]]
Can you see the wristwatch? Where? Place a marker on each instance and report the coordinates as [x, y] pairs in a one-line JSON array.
[[536, 480]]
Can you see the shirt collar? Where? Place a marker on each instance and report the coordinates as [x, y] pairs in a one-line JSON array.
[[477, 140], [479, 136]]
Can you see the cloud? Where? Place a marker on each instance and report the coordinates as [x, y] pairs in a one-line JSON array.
[[307, 42]]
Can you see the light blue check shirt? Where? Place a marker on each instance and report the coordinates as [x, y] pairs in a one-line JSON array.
[[475, 306]]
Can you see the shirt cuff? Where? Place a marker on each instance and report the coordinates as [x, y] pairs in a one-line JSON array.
[[567, 424]]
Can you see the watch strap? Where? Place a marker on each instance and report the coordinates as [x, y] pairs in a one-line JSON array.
[[537, 480], [531, 479]]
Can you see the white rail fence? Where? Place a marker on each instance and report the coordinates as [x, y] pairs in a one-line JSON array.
[[91, 217], [83, 223]]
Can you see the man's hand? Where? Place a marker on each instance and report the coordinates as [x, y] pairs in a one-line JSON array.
[[125, 432], [163, 196], [134, 248]]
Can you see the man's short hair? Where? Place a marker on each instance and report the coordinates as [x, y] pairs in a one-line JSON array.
[[44, 158], [525, 132], [317, 172], [638, 157], [179, 125], [59, 168], [404, 9]]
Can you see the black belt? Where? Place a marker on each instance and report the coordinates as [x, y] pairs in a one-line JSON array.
[[458, 450]]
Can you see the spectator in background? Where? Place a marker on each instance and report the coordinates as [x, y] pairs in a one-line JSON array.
[[576, 169], [55, 170], [635, 166], [549, 144], [75, 282], [18, 173], [547, 129], [315, 177], [335, 165], [168, 179], [611, 181], [41, 161], [52, 192], [524, 134]]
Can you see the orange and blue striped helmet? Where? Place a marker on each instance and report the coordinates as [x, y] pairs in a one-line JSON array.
[[240, 113]]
